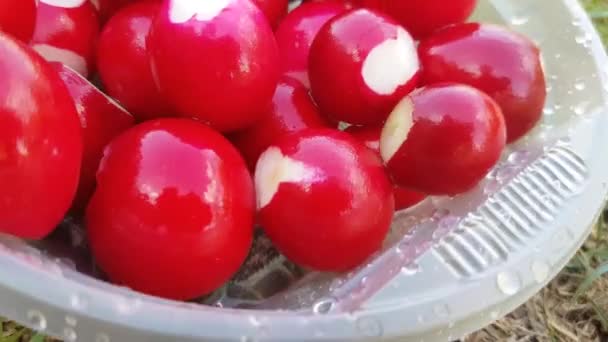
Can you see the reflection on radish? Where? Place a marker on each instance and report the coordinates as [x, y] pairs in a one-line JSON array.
[[443, 139]]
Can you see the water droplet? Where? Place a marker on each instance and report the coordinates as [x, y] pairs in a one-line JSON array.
[[324, 306], [518, 21], [36, 320], [102, 338], [495, 315], [70, 320], [508, 283], [69, 334], [255, 321], [548, 111], [518, 157], [128, 306], [580, 85], [441, 310], [410, 269], [370, 327], [540, 270], [78, 302], [445, 226], [505, 173]]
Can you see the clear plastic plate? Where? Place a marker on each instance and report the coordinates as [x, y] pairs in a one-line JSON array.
[[449, 267]]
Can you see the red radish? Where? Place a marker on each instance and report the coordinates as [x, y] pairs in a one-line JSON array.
[[361, 64], [443, 139], [40, 143], [122, 60], [370, 137], [172, 215], [101, 119], [107, 8], [215, 61], [292, 111], [17, 18], [297, 32], [274, 10], [324, 199], [66, 32], [502, 63], [422, 17]]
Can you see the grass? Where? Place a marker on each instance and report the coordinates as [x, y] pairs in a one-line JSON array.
[[573, 307]]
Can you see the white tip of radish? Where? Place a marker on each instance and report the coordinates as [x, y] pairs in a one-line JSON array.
[[396, 129], [67, 57], [273, 169], [180, 11], [64, 3], [391, 64]]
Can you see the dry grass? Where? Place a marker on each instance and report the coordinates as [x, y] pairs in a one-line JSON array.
[[573, 307]]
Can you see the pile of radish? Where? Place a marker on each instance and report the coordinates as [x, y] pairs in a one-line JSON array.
[[177, 127]]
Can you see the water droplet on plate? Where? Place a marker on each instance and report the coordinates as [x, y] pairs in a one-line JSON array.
[[128, 306], [410, 269], [70, 320], [518, 157], [580, 85], [370, 327], [78, 302], [324, 306], [69, 334], [495, 315], [102, 338], [519, 20], [540, 270], [36, 320], [441, 310], [508, 283], [548, 111]]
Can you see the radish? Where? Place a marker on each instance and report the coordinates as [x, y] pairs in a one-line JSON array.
[[323, 199], [443, 139], [502, 63], [361, 64], [215, 61]]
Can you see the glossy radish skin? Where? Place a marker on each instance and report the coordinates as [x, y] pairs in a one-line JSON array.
[[101, 119], [107, 8], [215, 61], [40, 143], [172, 214], [323, 199], [370, 137], [423, 17], [297, 32], [123, 63], [292, 111], [443, 140], [66, 32], [274, 10], [17, 18], [504, 64], [361, 64]]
